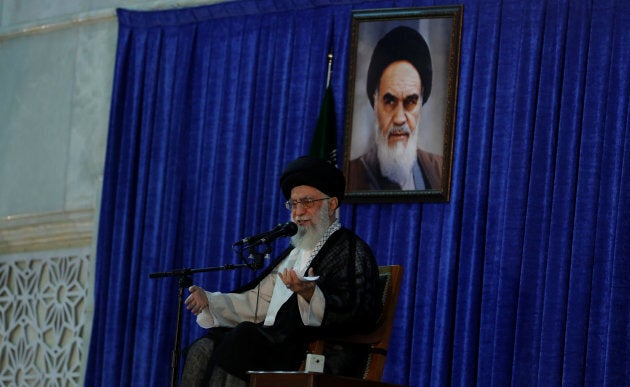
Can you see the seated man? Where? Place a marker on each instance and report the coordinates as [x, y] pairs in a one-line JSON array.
[[265, 324]]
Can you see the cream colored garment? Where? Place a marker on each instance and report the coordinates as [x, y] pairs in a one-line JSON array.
[[312, 312], [230, 309]]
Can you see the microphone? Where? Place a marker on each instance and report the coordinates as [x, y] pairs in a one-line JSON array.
[[281, 230]]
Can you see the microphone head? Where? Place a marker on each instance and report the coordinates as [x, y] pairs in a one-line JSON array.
[[290, 228], [281, 230]]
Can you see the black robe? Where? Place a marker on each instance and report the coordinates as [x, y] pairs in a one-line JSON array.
[[349, 281]]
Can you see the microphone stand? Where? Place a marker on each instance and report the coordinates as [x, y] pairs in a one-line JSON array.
[[185, 281]]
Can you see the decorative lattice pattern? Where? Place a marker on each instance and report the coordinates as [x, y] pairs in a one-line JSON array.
[[42, 320]]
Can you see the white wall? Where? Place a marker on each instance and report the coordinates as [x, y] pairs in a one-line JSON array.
[[56, 71]]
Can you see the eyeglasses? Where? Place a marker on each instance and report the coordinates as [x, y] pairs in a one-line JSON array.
[[292, 205]]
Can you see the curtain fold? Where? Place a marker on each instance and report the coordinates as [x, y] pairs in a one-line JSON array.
[[521, 279]]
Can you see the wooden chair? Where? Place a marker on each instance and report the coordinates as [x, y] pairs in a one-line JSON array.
[[378, 339]]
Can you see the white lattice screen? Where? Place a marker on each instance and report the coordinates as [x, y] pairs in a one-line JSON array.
[[43, 318]]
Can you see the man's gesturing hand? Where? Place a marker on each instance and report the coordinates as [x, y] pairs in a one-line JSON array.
[[298, 285], [197, 301]]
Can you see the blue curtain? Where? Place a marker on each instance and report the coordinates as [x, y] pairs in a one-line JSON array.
[[523, 278]]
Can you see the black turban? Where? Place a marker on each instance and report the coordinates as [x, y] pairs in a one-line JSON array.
[[401, 43], [313, 172]]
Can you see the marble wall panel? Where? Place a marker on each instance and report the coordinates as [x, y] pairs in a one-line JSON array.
[[90, 112], [37, 77], [21, 12]]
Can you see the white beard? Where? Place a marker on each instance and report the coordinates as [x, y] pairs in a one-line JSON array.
[[397, 162], [308, 236]]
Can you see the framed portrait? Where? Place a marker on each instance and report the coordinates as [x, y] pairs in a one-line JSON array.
[[402, 94]]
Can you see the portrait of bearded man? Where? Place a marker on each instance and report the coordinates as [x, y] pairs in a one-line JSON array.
[[399, 83]]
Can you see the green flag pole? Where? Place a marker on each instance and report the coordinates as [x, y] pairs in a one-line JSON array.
[[324, 144], [328, 75]]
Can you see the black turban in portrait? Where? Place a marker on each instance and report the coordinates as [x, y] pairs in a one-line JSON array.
[[401, 43], [314, 172]]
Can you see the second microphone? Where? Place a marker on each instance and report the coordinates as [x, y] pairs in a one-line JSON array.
[[281, 230]]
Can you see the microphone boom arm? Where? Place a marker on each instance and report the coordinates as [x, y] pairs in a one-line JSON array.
[[184, 281]]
